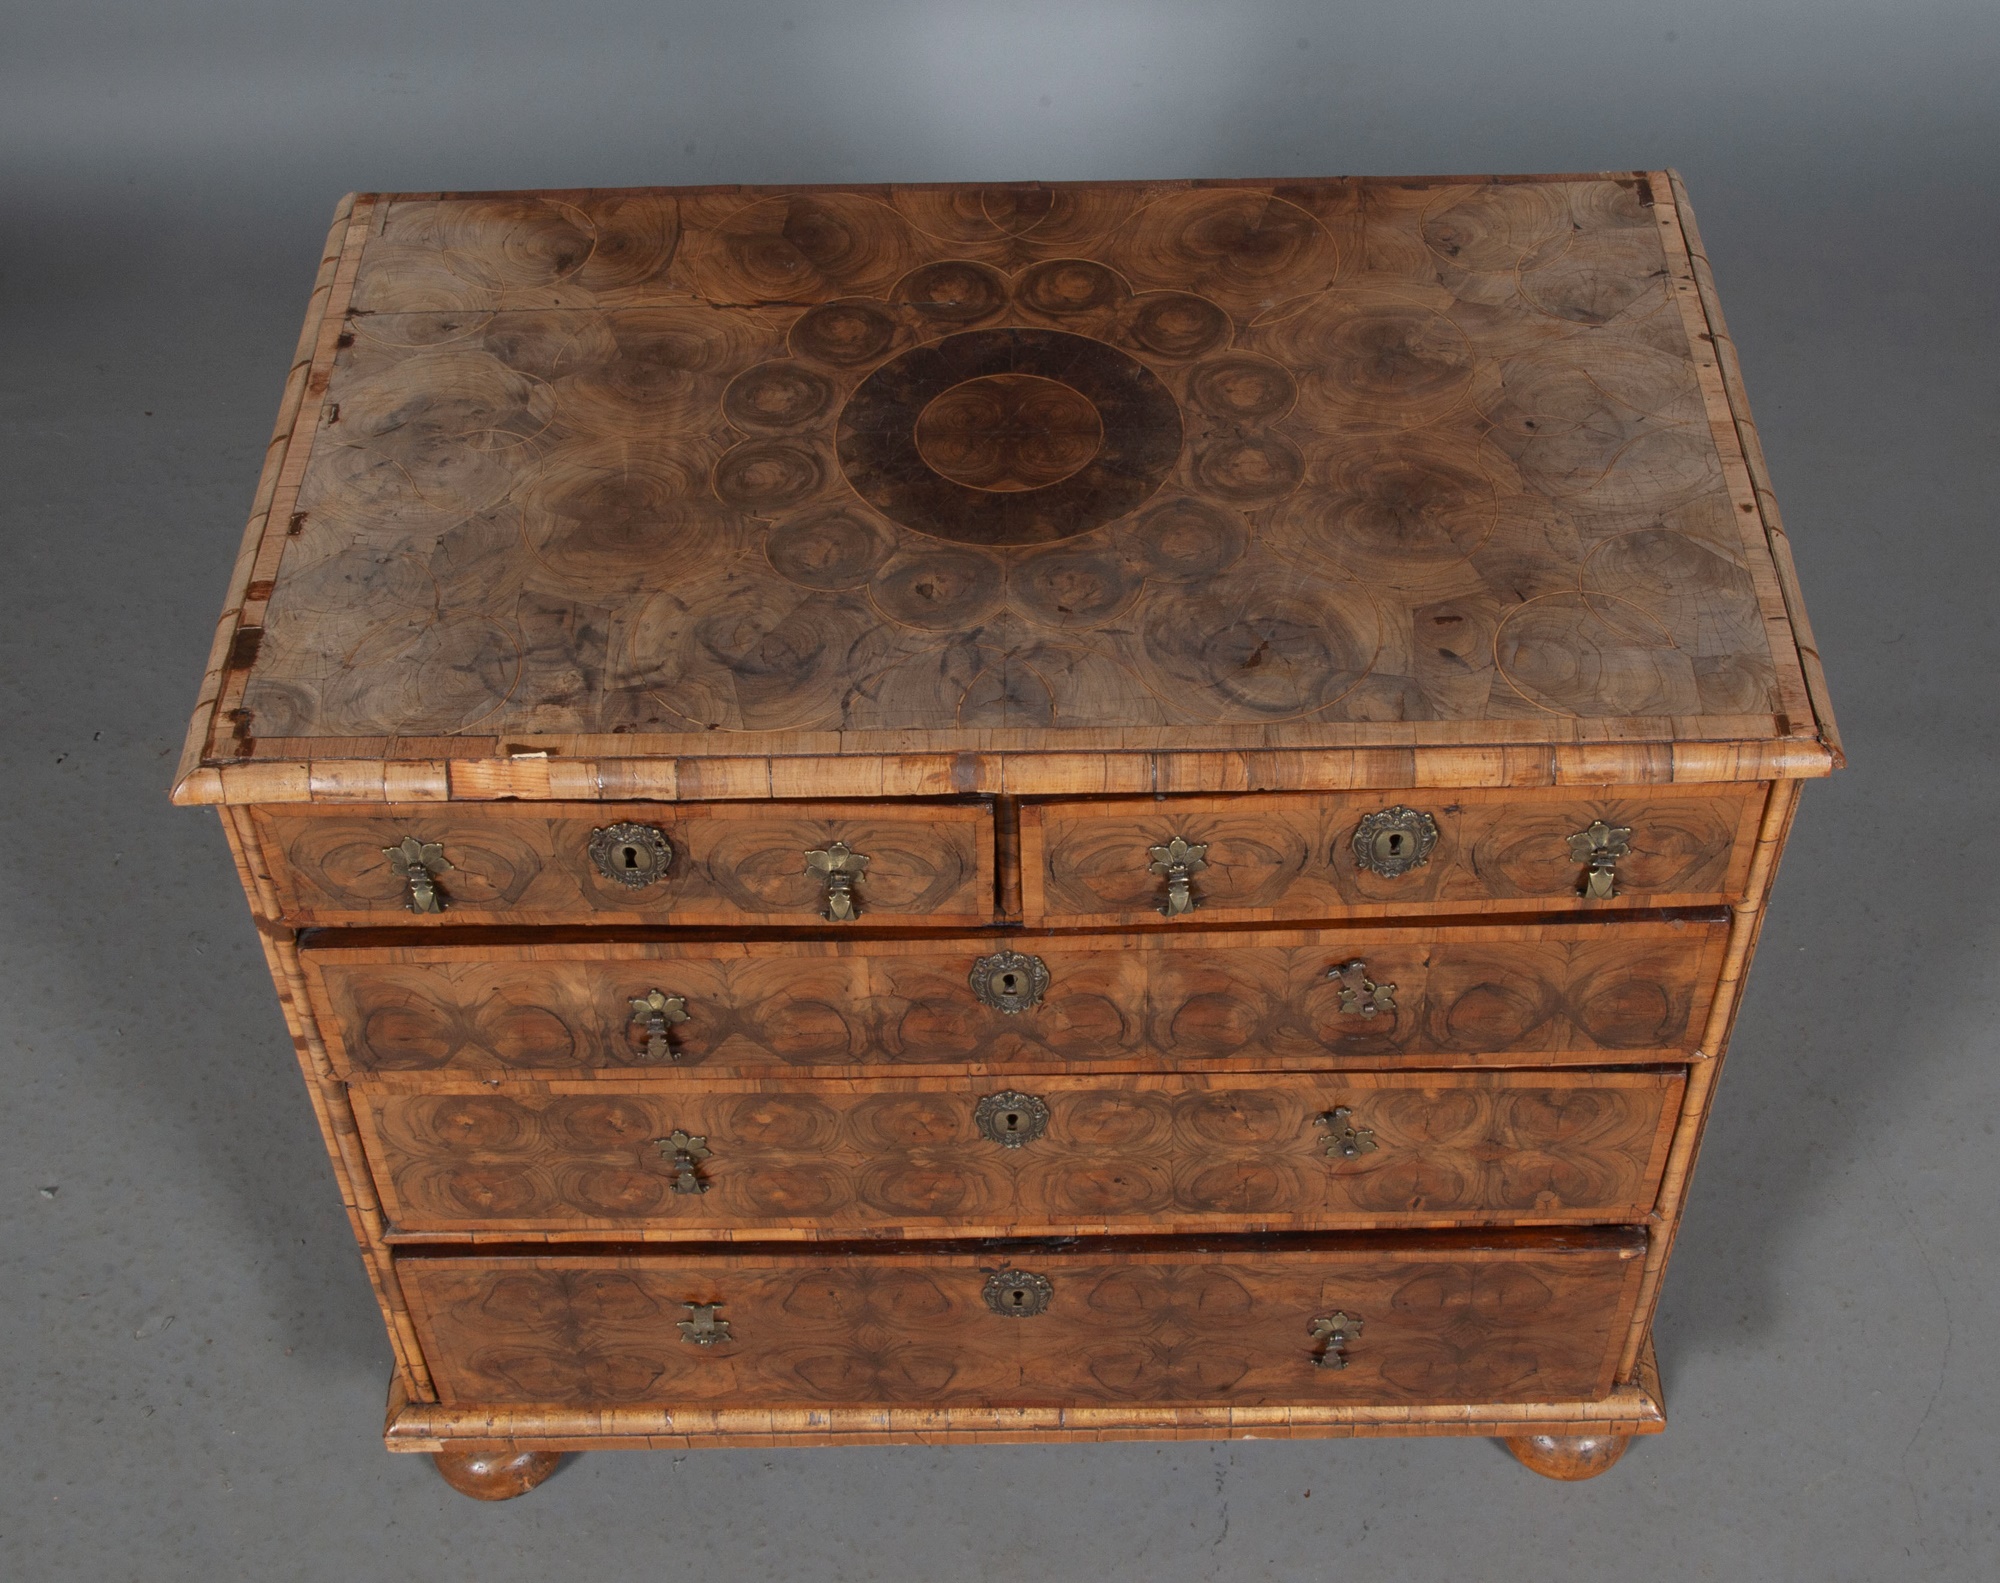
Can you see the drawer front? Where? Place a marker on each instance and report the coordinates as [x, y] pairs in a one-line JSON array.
[[1294, 856], [1536, 994], [721, 863], [966, 1157], [1510, 1318]]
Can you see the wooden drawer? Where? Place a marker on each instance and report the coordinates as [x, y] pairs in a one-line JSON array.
[[730, 863], [1282, 856], [1515, 1317], [1524, 994], [1283, 1152]]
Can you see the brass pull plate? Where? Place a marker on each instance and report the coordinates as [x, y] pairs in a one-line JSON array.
[[1392, 841], [1018, 1294], [1344, 1140], [1599, 848], [683, 1153], [837, 867], [1178, 860], [704, 1326], [1360, 995], [1010, 981], [1332, 1334], [1011, 1118], [419, 863], [632, 855], [654, 1013]]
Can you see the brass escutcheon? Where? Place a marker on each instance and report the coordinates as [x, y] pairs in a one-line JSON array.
[[703, 1325], [1360, 995], [654, 1013], [837, 867], [1331, 1334], [1019, 1294], [1010, 1118], [1010, 981], [1392, 841], [419, 863], [1344, 1140], [1178, 861], [1599, 848], [632, 855], [683, 1152]]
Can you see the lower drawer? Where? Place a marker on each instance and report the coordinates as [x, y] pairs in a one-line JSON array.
[[1052, 1155], [1522, 1317]]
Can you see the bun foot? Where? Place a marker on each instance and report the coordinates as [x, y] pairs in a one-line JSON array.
[[1567, 1456], [495, 1475]]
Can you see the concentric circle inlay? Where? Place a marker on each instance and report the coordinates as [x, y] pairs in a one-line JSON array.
[[1011, 436]]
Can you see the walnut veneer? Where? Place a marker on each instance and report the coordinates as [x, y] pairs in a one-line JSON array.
[[785, 743]]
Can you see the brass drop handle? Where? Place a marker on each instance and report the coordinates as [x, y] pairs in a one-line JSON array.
[[1360, 995], [653, 1013], [1344, 1140], [1332, 1334], [1178, 861], [419, 863], [704, 1325], [1599, 848], [683, 1153], [837, 867], [1011, 1118], [1018, 1294]]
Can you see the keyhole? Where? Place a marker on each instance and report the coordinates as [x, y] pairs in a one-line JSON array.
[[631, 856], [1010, 983], [1395, 845], [1018, 1298], [1012, 1121]]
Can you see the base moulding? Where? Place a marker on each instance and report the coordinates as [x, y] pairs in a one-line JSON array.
[[1635, 1408]]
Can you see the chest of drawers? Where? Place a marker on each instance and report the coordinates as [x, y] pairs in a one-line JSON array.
[[1019, 812]]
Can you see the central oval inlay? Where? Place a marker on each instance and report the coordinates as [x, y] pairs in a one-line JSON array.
[[1009, 431], [1008, 436]]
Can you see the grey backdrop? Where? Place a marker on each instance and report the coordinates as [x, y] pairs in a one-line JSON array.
[[193, 1373]]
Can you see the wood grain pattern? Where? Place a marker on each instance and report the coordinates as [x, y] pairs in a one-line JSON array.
[[332, 1110], [499, 1473], [1281, 857], [1003, 533], [1367, 454], [733, 863], [1737, 402], [902, 1157], [1632, 1407], [1568, 1457], [1518, 995], [1746, 923], [1525, 1317]]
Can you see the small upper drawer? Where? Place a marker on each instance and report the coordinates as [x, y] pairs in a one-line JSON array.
[[659, 863], [1257, 858]]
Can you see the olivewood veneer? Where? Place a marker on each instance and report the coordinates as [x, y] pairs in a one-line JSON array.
[[1509, 995], [907, 1158], [916, 564]]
